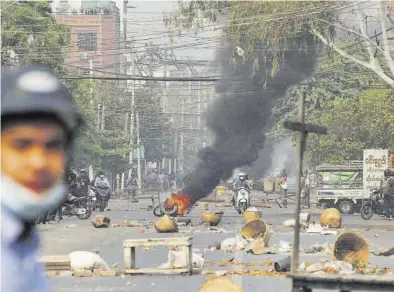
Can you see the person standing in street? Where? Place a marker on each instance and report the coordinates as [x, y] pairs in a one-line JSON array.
[[283, 185], [40, 120]]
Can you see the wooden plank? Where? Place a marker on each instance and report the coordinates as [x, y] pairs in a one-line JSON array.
[[155, 271], [55, 260], [157, 241], [127, 258], [58, 268]]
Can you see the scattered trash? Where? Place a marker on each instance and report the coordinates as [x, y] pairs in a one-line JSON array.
[[101, 221], [304, 218], [71, 226], [220, 284], [376, 235], [177, 259], [233, 244], [331, 217], [315, 228], [166, 224], [85, 260], [283, 265], [252, 209], [385, 252], [316, 248], [328, 267], [211, 219], [289, 223], [126, 223], [82, 273], [351, 247]]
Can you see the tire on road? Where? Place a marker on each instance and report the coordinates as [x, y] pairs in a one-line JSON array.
[[346, 207]]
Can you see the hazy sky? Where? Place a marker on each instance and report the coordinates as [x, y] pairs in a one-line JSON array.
[[145, 22]]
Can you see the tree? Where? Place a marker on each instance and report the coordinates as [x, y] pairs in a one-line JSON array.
[[254, 26], [31, 35]]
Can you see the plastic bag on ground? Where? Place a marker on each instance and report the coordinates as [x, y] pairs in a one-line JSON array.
[[177, 259]]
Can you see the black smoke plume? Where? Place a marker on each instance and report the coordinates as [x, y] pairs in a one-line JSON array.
[[238, 118]]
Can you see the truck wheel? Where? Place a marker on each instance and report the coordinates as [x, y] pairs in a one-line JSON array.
[[345, 207], [324, 205]]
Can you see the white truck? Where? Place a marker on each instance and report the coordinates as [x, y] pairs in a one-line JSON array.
[[341, 186]]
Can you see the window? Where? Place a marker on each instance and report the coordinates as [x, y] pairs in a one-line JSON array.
[[87, 41]]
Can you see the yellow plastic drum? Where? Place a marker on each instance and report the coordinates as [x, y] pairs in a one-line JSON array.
[[221, 190]]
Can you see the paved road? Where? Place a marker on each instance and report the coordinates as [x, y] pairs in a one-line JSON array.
[[73, 234]]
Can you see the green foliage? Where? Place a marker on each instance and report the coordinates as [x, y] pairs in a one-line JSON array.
[[353, 124], [32, 34]]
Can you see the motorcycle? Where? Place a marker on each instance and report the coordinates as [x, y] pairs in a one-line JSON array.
[[102, 197], [242, 200], [80, 207], [373, 205]]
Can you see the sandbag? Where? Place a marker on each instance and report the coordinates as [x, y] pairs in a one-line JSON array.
[[86, 260]]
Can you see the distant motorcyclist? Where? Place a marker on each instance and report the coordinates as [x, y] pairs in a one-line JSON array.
[[83, 183], [388, 193], [243, 182], [72, 182], [103, 183]]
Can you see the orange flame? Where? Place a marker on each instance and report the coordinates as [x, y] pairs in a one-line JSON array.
[[182, 201]]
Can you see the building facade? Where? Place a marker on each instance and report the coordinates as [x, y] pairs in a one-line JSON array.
[[95, 35]]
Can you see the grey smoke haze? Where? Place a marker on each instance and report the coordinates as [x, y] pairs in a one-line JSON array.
[[238, 118], [274, 156]]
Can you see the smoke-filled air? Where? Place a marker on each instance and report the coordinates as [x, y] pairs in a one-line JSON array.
[[238, 118]]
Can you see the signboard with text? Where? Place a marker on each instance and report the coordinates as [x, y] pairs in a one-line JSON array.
[[375, 162]]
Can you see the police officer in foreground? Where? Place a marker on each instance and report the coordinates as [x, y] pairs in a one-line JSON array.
[[39, 124]]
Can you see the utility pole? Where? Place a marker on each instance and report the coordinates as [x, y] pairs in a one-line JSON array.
[[138, 152], [132, 108], [204, 143], [91, 102], [122, 180], [199, 112], [303, 130]]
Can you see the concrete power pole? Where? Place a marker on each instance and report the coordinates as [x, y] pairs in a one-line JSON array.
[[138, 152], [132, 108]]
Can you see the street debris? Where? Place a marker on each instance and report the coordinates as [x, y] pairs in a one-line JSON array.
[[283, 265], [211, 219], [126, 223], [166, 224], [331, 217], [256, 229], [101, 221], [316, 228], [233, 244], [70, 226], [56, 262], [230, 261], [304, 219], [85, 260], [82, 273], [252, 214], [245, 273], [387, 252], [316, 248], [327, 267], [351, 247], [177, 259], [219, 284]]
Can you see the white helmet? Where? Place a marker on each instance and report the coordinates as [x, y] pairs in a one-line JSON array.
[[242, 176]]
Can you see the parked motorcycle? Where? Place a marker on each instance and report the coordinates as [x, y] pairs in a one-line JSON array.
[[102, 197], [80, 207], [373, 205], [242, 200]]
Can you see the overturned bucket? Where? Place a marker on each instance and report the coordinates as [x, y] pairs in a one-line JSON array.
[[331, 217], [212, 219], [251, 215], [351, 247], [256, 229], [166, 224]]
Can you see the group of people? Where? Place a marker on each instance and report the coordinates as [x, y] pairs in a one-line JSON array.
[[78, 185], [170, 181]]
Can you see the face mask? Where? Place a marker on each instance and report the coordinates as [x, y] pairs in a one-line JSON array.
[[25, 203], [101, 176]]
